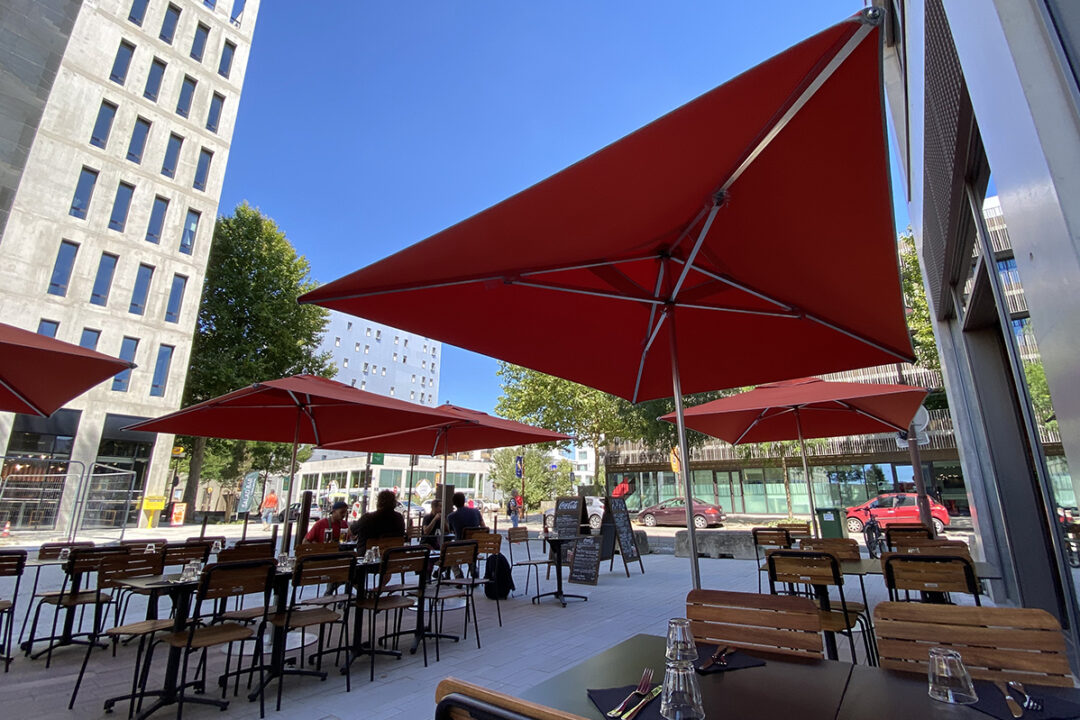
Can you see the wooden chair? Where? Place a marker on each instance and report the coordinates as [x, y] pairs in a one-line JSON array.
[[415, 532], [520, 536], [766, 539], [12, 564], [775, 624], [844, 549], [919, 545], [140, 545], [208, 539], [453, 555], [383, 542], [185, 552], [304, 550], [997, 644], [48, 552], [267, 543], [796, 530], [487, 544], [413, 559], [906, 530], [933, 576], [460, 700], [239, 553], [469, 532]]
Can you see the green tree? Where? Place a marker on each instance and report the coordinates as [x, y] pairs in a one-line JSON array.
[[250, 326], [1040, 393], [541, 482], [918, 310]]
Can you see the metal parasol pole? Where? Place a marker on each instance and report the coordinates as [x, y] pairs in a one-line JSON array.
[[684, 451], [921, 499], [292, 480], [806, 474], [408, 493]]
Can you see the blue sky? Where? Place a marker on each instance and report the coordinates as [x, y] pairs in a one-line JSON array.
[[367, 126]]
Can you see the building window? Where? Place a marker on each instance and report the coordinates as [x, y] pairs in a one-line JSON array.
[[412, 394], [395, 357], [127, 353], [161, 371], [384, 371], [368, 333], [406, 343], [176, 298], [191, 226], [61, 274], [103, 124], [378, 334], [397, 339], [172, 155], [404, 359], [122, 62], [137, 144], [423, 382], [210, 3], [423, 364], [157, 219], [337, 342], [225, 64], [187, 92], [237, 11], [391, 389], [141, 290], [421, 397], [413, 378], [84, 190], [121, 205], [374, 369], [432, 366], [352, 383], [138, 11], [198, 45], [367, 348], [89, 338], [348, 326], [103, 280], [168, 25], [363, 384], [213, 118], [345, 362], [47, 328], [365, 367], [153, 80], [202, 170], [357, 348]]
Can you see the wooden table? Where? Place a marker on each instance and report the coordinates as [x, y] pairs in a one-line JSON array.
[[556, 548], [872, 566]]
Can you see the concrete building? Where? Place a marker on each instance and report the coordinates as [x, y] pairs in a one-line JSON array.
[[116, 127]]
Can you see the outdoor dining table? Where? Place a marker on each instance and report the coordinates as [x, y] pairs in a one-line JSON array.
[[556, 549]]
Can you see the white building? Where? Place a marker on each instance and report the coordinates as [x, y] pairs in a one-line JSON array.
[[115, 134]]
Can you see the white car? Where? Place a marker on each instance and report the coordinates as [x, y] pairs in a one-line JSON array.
[[595, 506]]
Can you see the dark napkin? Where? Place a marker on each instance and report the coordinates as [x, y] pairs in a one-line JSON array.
[[610, 698], [736, 660], [993, 704]]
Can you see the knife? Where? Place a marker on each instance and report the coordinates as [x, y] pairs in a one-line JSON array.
[[629, 714], [1014, 707]]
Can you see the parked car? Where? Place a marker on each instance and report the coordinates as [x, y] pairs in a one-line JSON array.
[[413, 509], [673, 512], [891, 508], [294, 513], [595, 506]]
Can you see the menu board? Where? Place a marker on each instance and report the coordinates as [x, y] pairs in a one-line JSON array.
[[615, 511], [568, 516], [585, 562]]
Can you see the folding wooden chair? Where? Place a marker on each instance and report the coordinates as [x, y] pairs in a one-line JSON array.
[[900, 531], [520, 536], [459, 700], [12, 564], [769, 623], [933, 576], [395, 561], [766, 539]]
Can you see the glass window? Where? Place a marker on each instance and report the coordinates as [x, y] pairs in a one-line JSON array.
[[127, 352], [168, 24], [103, 280], [198, 45], [210, 3], [138, 11], [176, 299], [121, 205], [137, 144], [753, 490], [141, 289], [61, 274], [213, 118], [157, 219], [191, 226], [187, 92], [225, 64], [47, 328], [122, 62], [161, 371], [103, 124], [84, 190], [89, 339], [237, 11], [203, 169], [153, 80], [172, 155]]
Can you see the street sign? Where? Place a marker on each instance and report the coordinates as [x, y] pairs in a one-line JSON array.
[[378, 458], [423, 489], [674, 459], [519, 466], [178, 451], [154, 502]]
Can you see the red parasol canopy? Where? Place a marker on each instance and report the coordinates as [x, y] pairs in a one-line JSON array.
[[38, 374]]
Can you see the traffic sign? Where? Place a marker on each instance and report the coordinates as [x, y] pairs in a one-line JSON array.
[[378, 458], [178, 451], [423, 489]]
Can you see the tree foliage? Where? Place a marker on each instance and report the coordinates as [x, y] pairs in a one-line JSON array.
[[541, 481], [1040, 393], [918, 318]]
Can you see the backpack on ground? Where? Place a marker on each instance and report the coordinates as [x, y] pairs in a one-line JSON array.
[[497, 569]]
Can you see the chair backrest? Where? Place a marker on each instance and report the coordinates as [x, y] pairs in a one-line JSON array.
[[257, 543], [803, 567], [86, 560], [796, 530], [488, 543], [771, 537], [842, 548], [517, 535], [920, 545], [771, 623], [404, 559], [930, 573], [208, 539], [316, 548], [51, 551], [898, 531], [183, 553], [414, 532], [239, 553], [138, 545], [234, 579], [996, 643], [385, 542], [12, 563], [459, 552], [324, 569], [469, 532], [460, 700], [115, 567]]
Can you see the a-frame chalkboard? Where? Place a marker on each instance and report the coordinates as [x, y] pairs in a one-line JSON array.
[[615, 513]]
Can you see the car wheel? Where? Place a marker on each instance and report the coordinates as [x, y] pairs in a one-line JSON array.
[[594, 522], [700, 522], [939, 527], [854, 525], [548, 520], [648, 521]]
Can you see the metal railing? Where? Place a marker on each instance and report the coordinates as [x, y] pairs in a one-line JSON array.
[[32, 491]]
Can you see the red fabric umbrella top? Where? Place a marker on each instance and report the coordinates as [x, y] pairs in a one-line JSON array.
[[38, 374], [757, 219], [470, 430], [320, 410], [826, 409]]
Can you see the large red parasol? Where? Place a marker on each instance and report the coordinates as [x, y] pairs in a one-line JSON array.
[[744, 237], [38, 374]]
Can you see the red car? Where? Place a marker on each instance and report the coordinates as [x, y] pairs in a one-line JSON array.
[[673, 512], [894, 508]]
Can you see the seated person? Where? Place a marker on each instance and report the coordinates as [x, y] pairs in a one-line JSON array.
[[431, 525], [463, 517], [335, 523], [384, 521]]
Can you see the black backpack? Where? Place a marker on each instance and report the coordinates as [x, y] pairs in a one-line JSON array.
[[497, 569]]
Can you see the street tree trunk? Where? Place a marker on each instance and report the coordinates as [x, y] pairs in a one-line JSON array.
[[191, 491], [787, 481]]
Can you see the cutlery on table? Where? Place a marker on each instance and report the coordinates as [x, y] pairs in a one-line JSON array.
[[641, 689], [720, 656], [1030, 702], [629, 714], [1014, 707]]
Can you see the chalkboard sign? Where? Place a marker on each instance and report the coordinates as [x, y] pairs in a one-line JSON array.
[[624, 533], [585, 564], [568, 516]]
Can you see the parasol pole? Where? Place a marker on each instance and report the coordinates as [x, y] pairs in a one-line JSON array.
[[408, 493], [445, 500], [684, 451], [292, 481], [921, 498], [806, 474]]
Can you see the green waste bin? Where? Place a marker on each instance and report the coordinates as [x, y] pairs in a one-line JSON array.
[[831, 522]]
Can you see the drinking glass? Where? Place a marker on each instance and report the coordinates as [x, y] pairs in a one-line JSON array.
[[344, 535], [681, 696], [216, 547], [680, 641], [64, 554], [327, 535], [150, 550], [948, 679]]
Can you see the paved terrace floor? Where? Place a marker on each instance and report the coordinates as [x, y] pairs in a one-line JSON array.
[[534, 643]]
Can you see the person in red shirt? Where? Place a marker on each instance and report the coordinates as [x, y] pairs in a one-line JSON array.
[[335, 524]]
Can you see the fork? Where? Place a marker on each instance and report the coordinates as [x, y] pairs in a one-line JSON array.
[[720, 656], [641, 689], [1030, 703]]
